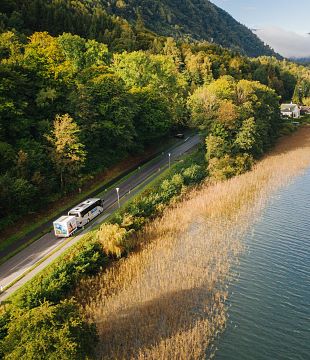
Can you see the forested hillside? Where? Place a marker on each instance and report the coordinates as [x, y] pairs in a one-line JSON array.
[[71, 105], [200, 20], [105, 21], [87, 18]]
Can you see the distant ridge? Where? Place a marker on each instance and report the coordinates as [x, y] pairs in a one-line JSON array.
[[303, 61], [108, 20], [200, 20]]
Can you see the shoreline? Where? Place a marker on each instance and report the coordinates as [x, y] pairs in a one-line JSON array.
[[168, 300]]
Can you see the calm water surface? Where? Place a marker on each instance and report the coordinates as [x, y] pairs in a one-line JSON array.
[[269, 315]]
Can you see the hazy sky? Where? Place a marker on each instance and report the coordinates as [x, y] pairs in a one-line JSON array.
[[283, 24]]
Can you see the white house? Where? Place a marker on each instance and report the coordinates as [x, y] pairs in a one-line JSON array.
[[290, 110]]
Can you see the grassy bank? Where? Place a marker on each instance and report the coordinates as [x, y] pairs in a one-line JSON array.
[[168, 299]]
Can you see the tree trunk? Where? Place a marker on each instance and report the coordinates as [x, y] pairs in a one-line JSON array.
[[61, 180]]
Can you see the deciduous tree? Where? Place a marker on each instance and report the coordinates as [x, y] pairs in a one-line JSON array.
[[68, 152]]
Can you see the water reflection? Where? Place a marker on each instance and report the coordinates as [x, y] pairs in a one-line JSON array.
[[269, 316]]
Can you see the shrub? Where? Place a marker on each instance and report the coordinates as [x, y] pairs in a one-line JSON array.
[[243, 163], [49, 332], [130, 222], [56, 284], [4, 324], [145, 205], [172, 187], [193, 174], [152, 202], [113, 239], [229, 166], [222, 168]]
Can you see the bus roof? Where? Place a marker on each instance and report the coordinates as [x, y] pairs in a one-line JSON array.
[[64, 218], [83, 205]]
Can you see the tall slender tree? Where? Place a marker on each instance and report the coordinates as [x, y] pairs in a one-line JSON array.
[[68, 152]]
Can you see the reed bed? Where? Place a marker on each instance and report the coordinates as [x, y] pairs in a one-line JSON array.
[[167, 301]]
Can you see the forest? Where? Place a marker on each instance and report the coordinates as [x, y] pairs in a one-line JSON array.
[[71, 107]]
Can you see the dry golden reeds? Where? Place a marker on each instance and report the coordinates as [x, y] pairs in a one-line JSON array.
[[167, 301]]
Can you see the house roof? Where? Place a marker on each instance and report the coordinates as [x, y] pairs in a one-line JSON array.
[[289, 107]]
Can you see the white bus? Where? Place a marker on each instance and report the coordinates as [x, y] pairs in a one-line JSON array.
[[86, 211]]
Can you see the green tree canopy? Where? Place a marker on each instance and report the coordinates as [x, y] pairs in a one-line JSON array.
[[242, 120]]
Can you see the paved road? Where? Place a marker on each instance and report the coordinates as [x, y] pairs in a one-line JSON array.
[[39, 231], [24, 261]]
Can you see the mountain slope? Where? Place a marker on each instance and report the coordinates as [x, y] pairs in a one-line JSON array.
[[304, 61], [107, 20], [197, 19]]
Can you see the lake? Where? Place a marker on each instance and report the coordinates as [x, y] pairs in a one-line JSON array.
[[269, 304]]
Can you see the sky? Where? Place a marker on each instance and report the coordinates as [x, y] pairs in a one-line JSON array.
[[282, 24]]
